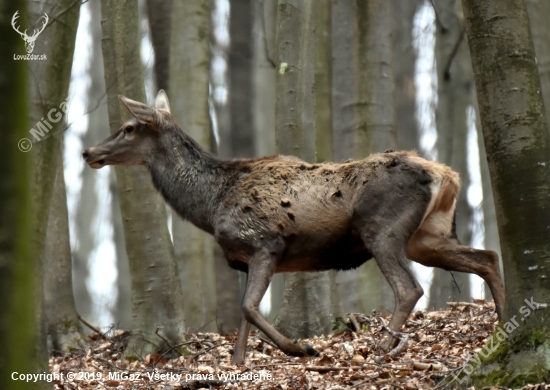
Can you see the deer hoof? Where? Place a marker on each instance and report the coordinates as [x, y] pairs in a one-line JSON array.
[[302, 350], [388, 342], [309, 350], [236, 361]]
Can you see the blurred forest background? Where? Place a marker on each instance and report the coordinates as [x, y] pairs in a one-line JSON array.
[[366, 76]]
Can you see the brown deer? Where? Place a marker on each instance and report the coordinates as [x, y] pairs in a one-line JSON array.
[[281, 214]]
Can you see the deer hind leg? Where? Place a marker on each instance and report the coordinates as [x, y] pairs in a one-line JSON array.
[[406, 289], [387, 215], [434, 249]]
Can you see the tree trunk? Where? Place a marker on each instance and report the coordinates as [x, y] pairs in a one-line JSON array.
[[323, 112], [492, 241], [403, 70], [50, 81], [190, 66], [455, 82], [344, 71], [363, 117], [98, 130], [122, 314], [17, 221], [62, 324], [307, 303], [240, 77], [156, 292], [265, 71], [159, 13], [518, 145], [538, 11], [374, 129]]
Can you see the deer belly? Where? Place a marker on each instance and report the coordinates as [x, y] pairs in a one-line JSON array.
[[307, 253]]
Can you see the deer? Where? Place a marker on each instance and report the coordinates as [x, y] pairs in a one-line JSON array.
[[281, 214], [29, 40]]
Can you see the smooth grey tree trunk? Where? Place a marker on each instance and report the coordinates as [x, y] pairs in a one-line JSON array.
[[344, 35], [63, 327], [363, 117], [49, 82], [307, 300], [455, 83], [190, 66], [87, 209], [403, 70], [264, 105], [518, 146], [98, 130], [374, 129], [323, 56], [538, 11], [159, 14], [240, 63], [157, 299], [323, 113], [492, 241]]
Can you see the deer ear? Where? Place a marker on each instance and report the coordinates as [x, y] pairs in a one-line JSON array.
[[161, 101], [142, 112]]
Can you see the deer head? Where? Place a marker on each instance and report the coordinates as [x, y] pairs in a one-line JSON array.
[[29, 41], [134, 142]]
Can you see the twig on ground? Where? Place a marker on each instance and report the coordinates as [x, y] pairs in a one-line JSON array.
[[92, 327], [354, 322]]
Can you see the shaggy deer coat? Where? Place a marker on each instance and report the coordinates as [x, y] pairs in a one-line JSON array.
[[281, 214]]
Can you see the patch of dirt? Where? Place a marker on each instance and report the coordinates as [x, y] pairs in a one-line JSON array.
[[434, 345]]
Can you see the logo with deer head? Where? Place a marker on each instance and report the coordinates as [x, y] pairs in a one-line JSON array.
[[29, 40]]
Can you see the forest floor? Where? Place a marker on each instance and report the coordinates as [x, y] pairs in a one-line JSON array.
[[435, 346]]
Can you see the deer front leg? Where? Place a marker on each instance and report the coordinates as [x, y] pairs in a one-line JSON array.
[[260, 271]]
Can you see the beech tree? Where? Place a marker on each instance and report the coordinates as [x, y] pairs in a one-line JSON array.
[[518, 146], [49, 81], [363, 117], [538, 11], [157, 299], [308, 306], [454, 96], [189, 71]]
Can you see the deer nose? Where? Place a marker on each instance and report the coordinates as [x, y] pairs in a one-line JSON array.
[[85, 155]]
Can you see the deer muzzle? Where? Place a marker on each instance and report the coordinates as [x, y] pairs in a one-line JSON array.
[[93, 159]]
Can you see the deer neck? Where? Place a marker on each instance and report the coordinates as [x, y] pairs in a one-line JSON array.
[[188, 177]]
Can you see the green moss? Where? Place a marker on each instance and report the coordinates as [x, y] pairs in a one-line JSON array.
[[489, 377], [517, 362], [537, 374], [132, 357]]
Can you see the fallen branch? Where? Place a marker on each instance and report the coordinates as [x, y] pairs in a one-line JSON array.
[[428, 366], [471, 304], [92, 327], [328, 368], [354, 322]]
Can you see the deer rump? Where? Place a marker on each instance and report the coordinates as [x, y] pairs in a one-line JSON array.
[[319, 216]]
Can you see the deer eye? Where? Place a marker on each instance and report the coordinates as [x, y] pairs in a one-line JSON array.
[[129, 129]]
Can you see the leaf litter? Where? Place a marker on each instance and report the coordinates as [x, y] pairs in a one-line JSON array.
[[433, 345]]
